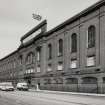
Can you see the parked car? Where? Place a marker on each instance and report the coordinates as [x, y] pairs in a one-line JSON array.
[[6, 86], [22, 86]]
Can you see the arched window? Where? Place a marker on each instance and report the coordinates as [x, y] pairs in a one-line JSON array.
[[20, 59], [49, 51], [30, 58], [91, 36], [74, 42], [38, 51], [60, 47], [89, 80], [49, 67]]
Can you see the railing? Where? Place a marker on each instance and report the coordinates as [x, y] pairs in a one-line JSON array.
[[86, 88]]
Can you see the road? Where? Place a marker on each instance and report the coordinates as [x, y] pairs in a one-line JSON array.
[[41, 98]]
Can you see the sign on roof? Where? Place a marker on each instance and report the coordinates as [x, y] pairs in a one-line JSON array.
[[36, 17], [38, 30], [32, 36]]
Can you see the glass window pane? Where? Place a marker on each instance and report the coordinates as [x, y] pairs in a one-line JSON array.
[[90, 61], [73, 64], [60, 65]]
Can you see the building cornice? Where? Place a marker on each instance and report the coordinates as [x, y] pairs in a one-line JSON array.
[[77, 16]]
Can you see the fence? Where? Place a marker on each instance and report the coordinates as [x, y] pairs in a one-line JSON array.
[[86, 88]]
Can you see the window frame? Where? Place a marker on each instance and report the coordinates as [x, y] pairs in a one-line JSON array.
[[60, 47], [91, 36], [50, 51], [72, 62], [74, 43], [60, 65], [87, 58]]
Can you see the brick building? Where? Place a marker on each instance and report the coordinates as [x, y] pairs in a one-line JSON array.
[[69, 57]]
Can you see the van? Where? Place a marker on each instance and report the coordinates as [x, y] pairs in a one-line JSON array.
[[22, 86]]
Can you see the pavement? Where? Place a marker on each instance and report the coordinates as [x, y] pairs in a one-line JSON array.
[[44, 97], [67, 93]]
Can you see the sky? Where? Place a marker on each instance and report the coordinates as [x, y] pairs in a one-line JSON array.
[[16, 18]]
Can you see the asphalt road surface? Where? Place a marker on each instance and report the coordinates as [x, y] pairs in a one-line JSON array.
[[41, 98]]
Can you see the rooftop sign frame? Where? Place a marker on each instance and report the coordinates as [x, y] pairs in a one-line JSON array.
[[38, 30]]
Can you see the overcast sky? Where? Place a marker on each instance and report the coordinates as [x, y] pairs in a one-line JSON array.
[[16, 18]]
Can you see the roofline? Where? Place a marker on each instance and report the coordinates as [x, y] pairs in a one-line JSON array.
[[9, 55], [34, 29], [77, 16]]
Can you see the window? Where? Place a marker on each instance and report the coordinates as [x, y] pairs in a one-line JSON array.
[[20, 60], [38, 68], [104, 80], [91, 37], [28, 71], [49, 67], [89, 80], [60, 65], [60, 47], [38, 53], [38, 56], [14, 64], [30, 58], [73, 63], [32, 70], [49, 51], [91, 61], [74, 43]]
